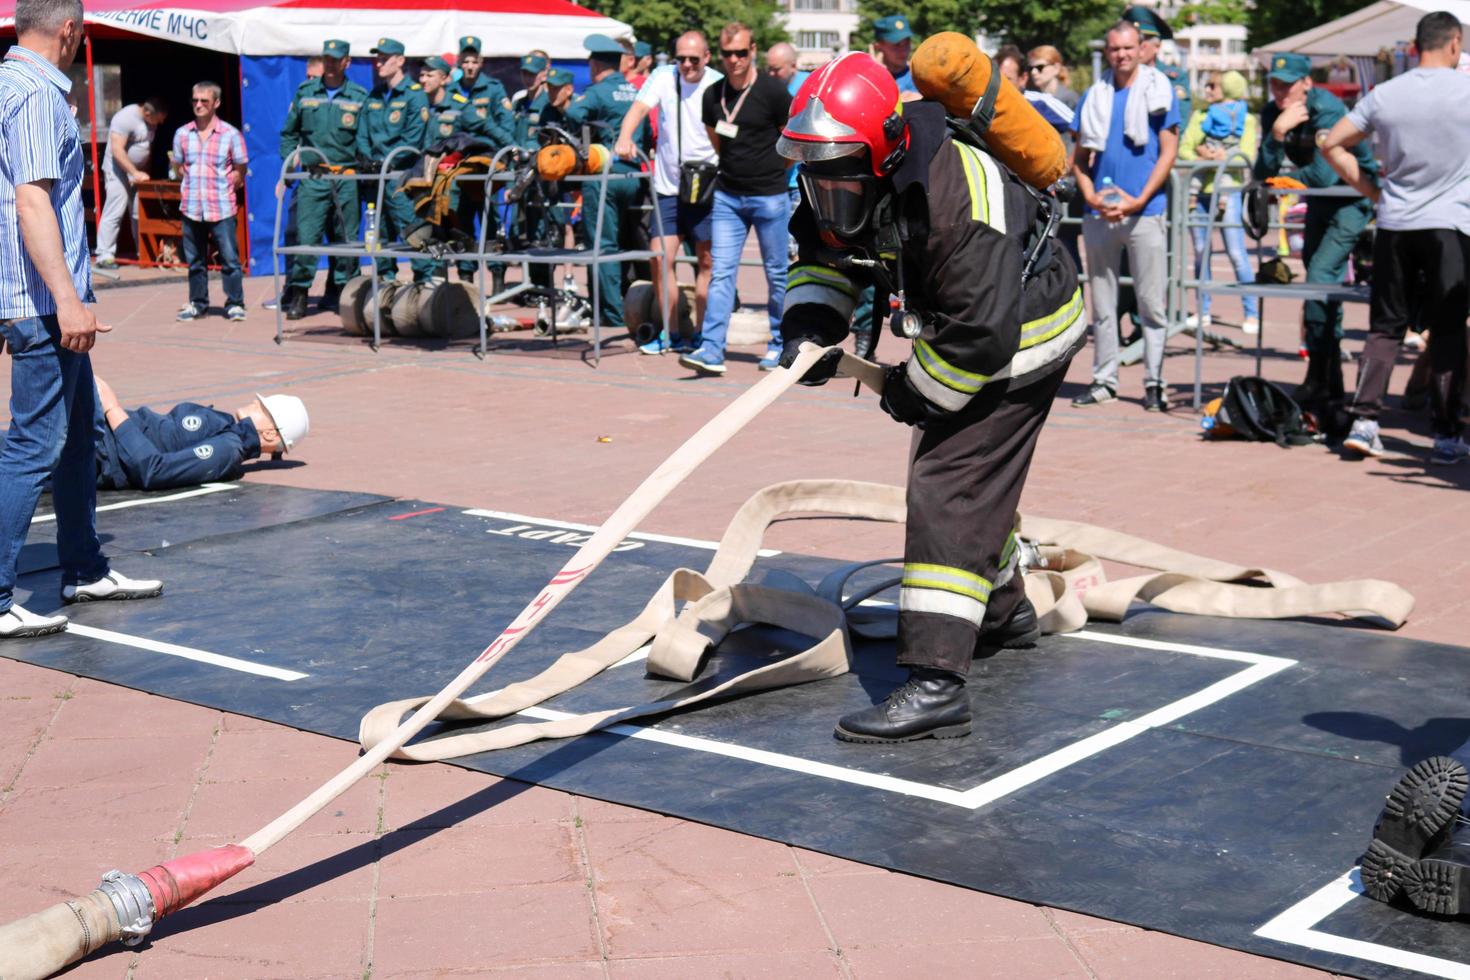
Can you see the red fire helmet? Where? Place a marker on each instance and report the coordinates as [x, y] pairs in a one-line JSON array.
[[846, 106]]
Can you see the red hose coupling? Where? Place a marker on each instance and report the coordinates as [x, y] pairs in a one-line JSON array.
[[177, 883]]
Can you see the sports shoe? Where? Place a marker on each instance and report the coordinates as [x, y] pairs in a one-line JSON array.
[[1363, 439], [113, 585], [191, 311], [107, 263], [1250, 325], [235, 313], [772, 360], [1095, 395], [17, 622], [1154, 400], [1418, 817], [685, 345], [654, 346], [706, 360], [1449, 450], [1194, 321]]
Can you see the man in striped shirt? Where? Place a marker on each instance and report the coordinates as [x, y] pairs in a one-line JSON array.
[[45, 282], [211, 154]]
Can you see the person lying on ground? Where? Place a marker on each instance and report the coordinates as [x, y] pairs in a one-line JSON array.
[[190, 444]]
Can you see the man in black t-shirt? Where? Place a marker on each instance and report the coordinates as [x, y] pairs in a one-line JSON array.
[[744, 113]]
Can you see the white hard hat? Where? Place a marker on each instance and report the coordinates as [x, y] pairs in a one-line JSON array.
[[289, 414]]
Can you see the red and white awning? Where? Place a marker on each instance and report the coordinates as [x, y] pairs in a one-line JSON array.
[[508, 28]]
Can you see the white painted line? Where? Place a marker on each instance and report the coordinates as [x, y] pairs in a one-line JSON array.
[[503, 515], [1262, 666], [1198, 651], [146, 501], [1295, 927], [188, 653]]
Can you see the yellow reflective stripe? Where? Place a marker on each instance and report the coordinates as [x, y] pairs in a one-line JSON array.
[[975, 177], [1044, 328], [965, 382], [1006, 552], [946, 578], [804, 274]]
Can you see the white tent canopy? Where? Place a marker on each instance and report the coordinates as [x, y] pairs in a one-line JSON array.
[[1365, 32]]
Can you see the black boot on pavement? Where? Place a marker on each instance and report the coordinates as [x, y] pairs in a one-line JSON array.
[[1418, 817], [930, 704], [294, 302], [331, 300], [1440, 881], [1154, 400], [1020, 631]]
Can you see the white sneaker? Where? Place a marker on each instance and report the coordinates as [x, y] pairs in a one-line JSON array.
[[16, 622], [1250, 325], [1195, 321], [113, 585], [1364, 439]]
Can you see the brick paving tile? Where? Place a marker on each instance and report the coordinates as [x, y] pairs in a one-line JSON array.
[[1141, 953], [288, 941], [809, 964], [896, 909], [472, 859], [670, 848], [1017, 959], [817, 863], [136, 811], [95, 707], [302, 868], [218, 809], [104, 762], [421, 797], [707, 912], [527, 924]]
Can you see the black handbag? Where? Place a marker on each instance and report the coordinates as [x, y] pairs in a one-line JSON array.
[[696, 178]]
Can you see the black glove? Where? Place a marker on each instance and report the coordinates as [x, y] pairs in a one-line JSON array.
[[825, 367], [903, 402]]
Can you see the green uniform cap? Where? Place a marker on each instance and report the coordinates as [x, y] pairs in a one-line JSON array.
[[1290, 68], [386, 45], [336, 49], [469, 43], [642, 49], [602, 44], [559, 77], [892, 29], [1148, 22], [533, 63], [436, 63]]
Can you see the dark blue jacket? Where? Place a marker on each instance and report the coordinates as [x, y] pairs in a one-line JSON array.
[[192, 444]]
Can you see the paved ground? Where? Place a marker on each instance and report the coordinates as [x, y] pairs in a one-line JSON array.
[[538, 883]]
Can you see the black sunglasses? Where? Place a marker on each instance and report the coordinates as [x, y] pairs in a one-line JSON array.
[[735, 52], [1042, 67], [691, 58]]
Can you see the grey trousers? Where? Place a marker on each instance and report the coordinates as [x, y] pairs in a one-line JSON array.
[[1148, 260], [120, 201]]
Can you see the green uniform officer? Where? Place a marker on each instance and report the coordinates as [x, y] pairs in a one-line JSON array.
[[1294, 124], [486, 114], [396, 116], [601, 108], [444, 108], [324, 116], [527, 105]]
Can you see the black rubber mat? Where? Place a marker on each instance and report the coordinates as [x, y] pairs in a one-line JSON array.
[[1202, 777]]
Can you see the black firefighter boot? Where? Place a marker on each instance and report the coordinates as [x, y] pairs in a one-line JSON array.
[[1419, 816], [930, 704], [294, 302], [1018, 631], [331, 301], [1440, 881]]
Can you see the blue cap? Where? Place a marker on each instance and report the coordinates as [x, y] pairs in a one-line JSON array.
[[336, 49], [387, 45], [602, 44], [469, 43], [435, 63], [534, 64], [559, 77], [892, 29], [642, 49], [1290, 68]]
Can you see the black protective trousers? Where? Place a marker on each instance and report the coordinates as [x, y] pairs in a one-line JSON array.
[[965, 483], [1400, 259]]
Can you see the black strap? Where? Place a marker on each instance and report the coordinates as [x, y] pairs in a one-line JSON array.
[[984, 112]]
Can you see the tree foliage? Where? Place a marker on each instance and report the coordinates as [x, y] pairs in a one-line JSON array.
[[660, 22], [1268, 22]]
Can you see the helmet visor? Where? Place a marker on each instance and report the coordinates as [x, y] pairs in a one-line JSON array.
[[811, 151], [840, 204]]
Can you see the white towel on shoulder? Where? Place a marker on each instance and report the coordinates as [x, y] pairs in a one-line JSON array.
[[1150, 92]]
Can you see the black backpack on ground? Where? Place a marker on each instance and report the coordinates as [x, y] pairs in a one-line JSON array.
[[1261, 412]]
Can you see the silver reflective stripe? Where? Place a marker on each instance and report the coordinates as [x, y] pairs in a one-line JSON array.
[[1035, 358], [987, 187], [821, 293], [1044, 328], [944, 603], [934, 392]]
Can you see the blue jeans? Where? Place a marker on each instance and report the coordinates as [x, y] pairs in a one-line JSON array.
[[51, 435], [197, 235], [731, 221], [1234, 247]]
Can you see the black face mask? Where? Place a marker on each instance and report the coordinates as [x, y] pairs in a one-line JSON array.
[[841, 205]]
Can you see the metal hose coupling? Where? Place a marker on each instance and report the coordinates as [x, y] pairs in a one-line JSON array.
[[133, 903]]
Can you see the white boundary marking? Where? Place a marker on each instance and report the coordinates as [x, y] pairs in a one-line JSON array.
[[188, 653], [1296, 927], [145, 501], [1261, 667], [503, 515]]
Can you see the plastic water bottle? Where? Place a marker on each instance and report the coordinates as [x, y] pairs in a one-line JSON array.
[[370, 231], [1110, 194]]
